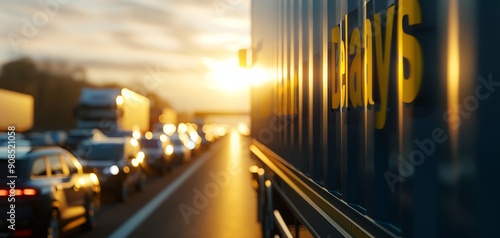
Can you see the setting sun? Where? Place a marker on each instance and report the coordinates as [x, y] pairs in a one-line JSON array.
[[229, 76], [226, 74]]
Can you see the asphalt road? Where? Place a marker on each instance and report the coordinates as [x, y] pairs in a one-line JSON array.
[[208, 197]]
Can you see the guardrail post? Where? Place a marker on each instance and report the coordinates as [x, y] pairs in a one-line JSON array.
[[269, 216], [261, 196]]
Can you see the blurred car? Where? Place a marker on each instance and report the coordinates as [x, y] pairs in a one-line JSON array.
[[214, 131], [194, 140], [205, 143], [49, 194], [219, 130], [19, 140], [181, 152], [117, 163], [208, 133], [120, 133], [158, 152], [4, 137], [75, 136], [46, 138]]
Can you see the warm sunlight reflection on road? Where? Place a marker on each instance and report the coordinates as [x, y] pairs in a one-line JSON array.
[[235, 138], [235, 206]]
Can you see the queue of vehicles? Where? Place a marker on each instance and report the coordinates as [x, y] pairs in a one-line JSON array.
[[158, 153], [59, 175], [49, 193], [116, 162]]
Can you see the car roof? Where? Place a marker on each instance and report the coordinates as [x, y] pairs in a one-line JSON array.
[[24, 152], [4, 136], [84, 131], [110, 140]]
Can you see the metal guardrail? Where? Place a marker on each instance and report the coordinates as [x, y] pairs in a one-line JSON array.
[[335, 217], [281, 225]]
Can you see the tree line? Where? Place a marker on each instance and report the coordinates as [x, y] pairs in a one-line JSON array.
[[55, 87]]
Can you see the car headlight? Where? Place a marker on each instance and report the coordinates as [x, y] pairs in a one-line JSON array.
[[94, 178], [190, 145], [135, 162], [169, 150], [140, 157], [113, 170]]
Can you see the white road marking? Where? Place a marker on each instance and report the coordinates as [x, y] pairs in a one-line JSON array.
[[131, 224]]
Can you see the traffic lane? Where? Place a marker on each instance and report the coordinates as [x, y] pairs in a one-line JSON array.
[[113, 214], [216, 201]]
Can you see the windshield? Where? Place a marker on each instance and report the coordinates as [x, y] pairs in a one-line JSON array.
[[104, 152], [98, 113]]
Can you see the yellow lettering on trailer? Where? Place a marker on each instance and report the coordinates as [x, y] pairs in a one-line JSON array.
[[409, 49], [338, 87], [352, 84], [383, 64], [367, 61], [355, 85]]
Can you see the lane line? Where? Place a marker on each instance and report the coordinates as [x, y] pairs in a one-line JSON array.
[[133, 222]]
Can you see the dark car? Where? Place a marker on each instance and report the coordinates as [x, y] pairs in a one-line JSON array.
[[75, 136], [158, 152], [46, 138], [180, 142], [117, 163], [205, 143], [49, 193]]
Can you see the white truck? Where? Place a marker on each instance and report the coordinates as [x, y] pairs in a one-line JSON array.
[[113, 110], [16, 110]]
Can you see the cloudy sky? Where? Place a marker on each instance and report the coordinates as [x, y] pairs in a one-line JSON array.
[[185, 50]]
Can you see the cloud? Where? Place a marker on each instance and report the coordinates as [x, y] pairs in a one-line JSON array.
[[120, 39]]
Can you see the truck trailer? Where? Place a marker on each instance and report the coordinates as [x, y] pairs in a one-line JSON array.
[[112, 110], [16, 109], [376, 118]]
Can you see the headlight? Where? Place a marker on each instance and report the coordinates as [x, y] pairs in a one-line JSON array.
[[113, 170], [119, 100], [94, 178], [169, 150], [135, 163], [140, 156], [190, 145], [82, 181], [134, 142]]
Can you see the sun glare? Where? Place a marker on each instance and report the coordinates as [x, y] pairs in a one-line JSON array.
[[226, 74], [229, 76]]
